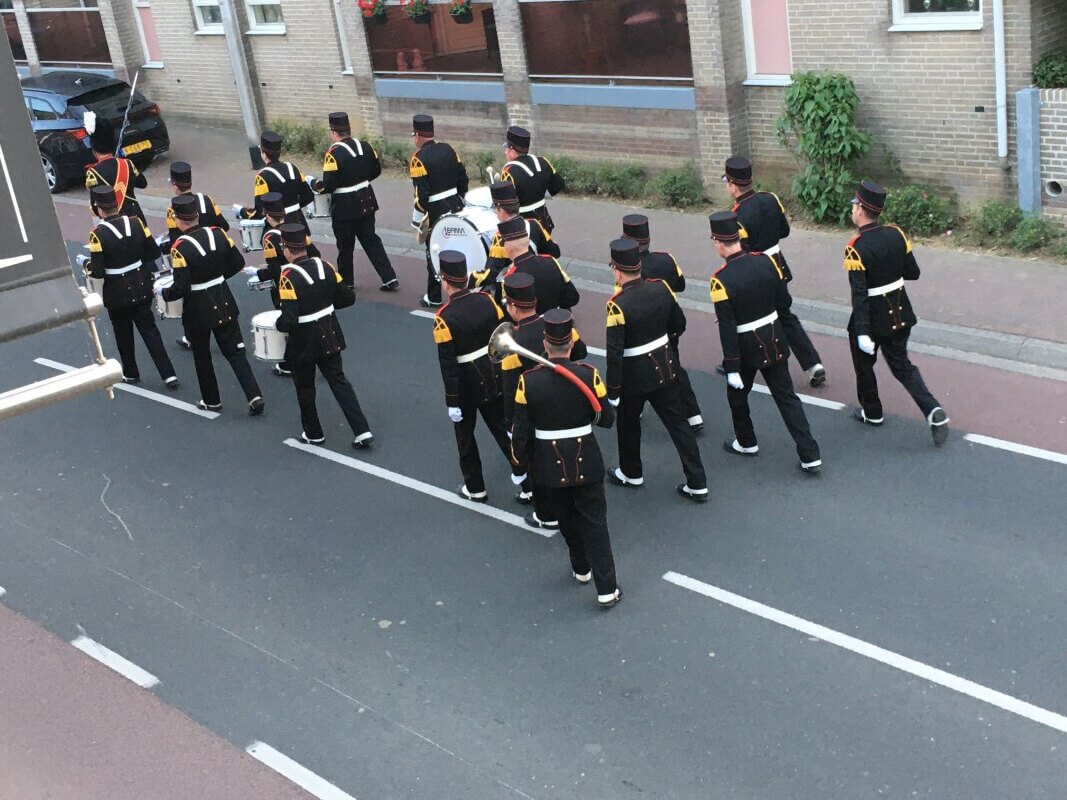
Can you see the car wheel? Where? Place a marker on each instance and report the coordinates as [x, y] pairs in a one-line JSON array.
[[51, 174]]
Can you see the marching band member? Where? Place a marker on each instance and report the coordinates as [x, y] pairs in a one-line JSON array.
[[277, 176], [112, 170], [533, 176], [553, 286], [506, 205]]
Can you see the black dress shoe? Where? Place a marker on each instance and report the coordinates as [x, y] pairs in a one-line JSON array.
[[172, 383], [425, 302], [183, 343], [308, 440], [390, 286], [812, 468], [861, 415], [131, 381], [818, 376], [684, 490], [523, 498], [476, 497], [609, 601], [535, 521], [282, 371], [616, 476], [363, 441], [939, 425], [208, 406], [256, 406], [729, 446]]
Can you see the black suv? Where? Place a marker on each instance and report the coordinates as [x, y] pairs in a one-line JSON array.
[[57, 102]]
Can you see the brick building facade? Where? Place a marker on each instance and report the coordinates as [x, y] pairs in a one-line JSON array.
[[660, 82]]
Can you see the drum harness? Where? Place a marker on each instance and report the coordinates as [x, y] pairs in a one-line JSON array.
[[120, 237], [199, 287], [322, 312], [353, 153], [292, 178], [530, 172]]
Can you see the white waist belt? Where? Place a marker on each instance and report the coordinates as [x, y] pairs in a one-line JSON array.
[[123, 270], [877, 291], [466, 358], [648, 347], [356, 188], [199, 287], [773, 251], [531, 207], [433, 198], [565, 433], [322, 312], [748, 327], [292, 209]]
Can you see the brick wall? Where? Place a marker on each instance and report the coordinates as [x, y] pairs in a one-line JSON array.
[[468, 126], [1049, 26], [1054, 149], [627, 135]]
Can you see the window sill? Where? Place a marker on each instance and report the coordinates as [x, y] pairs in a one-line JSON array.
[[210, 32], [153, 65], [768, 80], [912, 25], [348, 71], [266, 32]]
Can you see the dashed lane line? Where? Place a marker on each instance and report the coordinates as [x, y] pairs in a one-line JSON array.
[[1021, 449], [3, 591], [109, 658], [298, 774], [137, 390], [932, 674], [424, 488]]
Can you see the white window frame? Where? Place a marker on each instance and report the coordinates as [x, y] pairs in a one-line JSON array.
[[258, 28], [756, 78], [207, 28], [917, 21], [148, 62], [339, 18]]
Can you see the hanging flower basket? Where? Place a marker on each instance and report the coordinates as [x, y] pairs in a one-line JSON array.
[[417, 10], [373, 10], [461, 12]]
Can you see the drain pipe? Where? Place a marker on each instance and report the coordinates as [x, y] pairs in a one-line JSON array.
[[1000, 66]]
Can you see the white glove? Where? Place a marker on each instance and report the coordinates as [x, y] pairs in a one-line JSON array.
[[518, 480], [865, 343], [417, 218], [250, 270], [613, 402], [310, 180], [455, 414], [237, 209], [734, 379]]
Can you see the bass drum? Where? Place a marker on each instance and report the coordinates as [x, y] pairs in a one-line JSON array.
[[470, 231], [481, 197]]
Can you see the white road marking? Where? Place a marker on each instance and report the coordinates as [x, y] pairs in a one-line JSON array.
[[109, 658], [300, 775], [3, 591], [833, 405], [932, 674], [14, 197], [10, 262], [1021, 449], [425, 488], [137, 390], [418, 312]]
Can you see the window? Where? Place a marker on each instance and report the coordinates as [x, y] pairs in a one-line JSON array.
[[14, 35], [636, 41], [404, 48], [265, 16], [146, 26], [208, 16], [767, 49], [937, 15], [69, 38], [40, 110]]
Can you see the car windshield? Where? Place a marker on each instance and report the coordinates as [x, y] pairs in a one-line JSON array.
[[108, 101]]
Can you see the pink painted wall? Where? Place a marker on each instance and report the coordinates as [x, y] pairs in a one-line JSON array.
[[770, 32]]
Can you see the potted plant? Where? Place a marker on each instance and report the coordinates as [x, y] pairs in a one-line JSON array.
[[417, 10], [373, 10], [461, 12]]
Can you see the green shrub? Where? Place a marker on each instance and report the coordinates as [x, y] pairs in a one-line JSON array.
[[1051, 71], [393, 153], [580, 178], [919, 210], [625, 182], [483, 159], [301, 137], [680, 187], [818, 125], [996, 220], [1033, 233]]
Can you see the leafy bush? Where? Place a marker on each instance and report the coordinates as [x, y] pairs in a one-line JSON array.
[[996, 220], [302, 137], [1033, 233], [580, 178], [483, 159], [680, 187], [1051, 71], [624, 182], [818, 125], [919, 210]]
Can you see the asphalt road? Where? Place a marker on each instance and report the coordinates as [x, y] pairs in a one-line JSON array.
[[404, 647]]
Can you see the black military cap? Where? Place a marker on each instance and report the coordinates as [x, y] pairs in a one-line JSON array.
[[519, 290], [273, 204], [871, 196], [339, 122], [635, 226], [184, 207], [625, 255], [738, 170], [294, 235], [512, 228], [271, 142], [453, 267], [103, 197], [518, 139], [558, 326], [503, 193], [181, 173], [724, 226], [103, 138], [422, 124]]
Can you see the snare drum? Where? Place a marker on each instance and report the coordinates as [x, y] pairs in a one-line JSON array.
[[269, 341], [255, 284], [252, 234], [163, 241], [470, 231], [320, 207], [94, 285], [480, 197], [167, 309]]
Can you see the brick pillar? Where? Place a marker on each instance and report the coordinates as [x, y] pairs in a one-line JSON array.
[[22, 19], [122, 36], [362, 71], [114, 40], [513, 61]]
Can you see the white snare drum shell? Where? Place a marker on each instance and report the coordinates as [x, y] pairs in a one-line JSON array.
[[167, 309], [268, 341]]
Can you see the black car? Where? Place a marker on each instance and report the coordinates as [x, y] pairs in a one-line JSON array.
[[57, 102]]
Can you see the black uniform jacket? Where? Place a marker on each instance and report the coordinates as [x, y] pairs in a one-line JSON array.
[[435, 170], [530, 333], [461, 329], [498, 262], [763, 225], [878, 261], [210, 216], [664, 267], [549, 403], [347, 170], [203, 259], [122, 175], [533, 177], [286, 178], [123, 253], [642, 314], [552, 285], [276, 261], [310, 291], [749, 288]]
